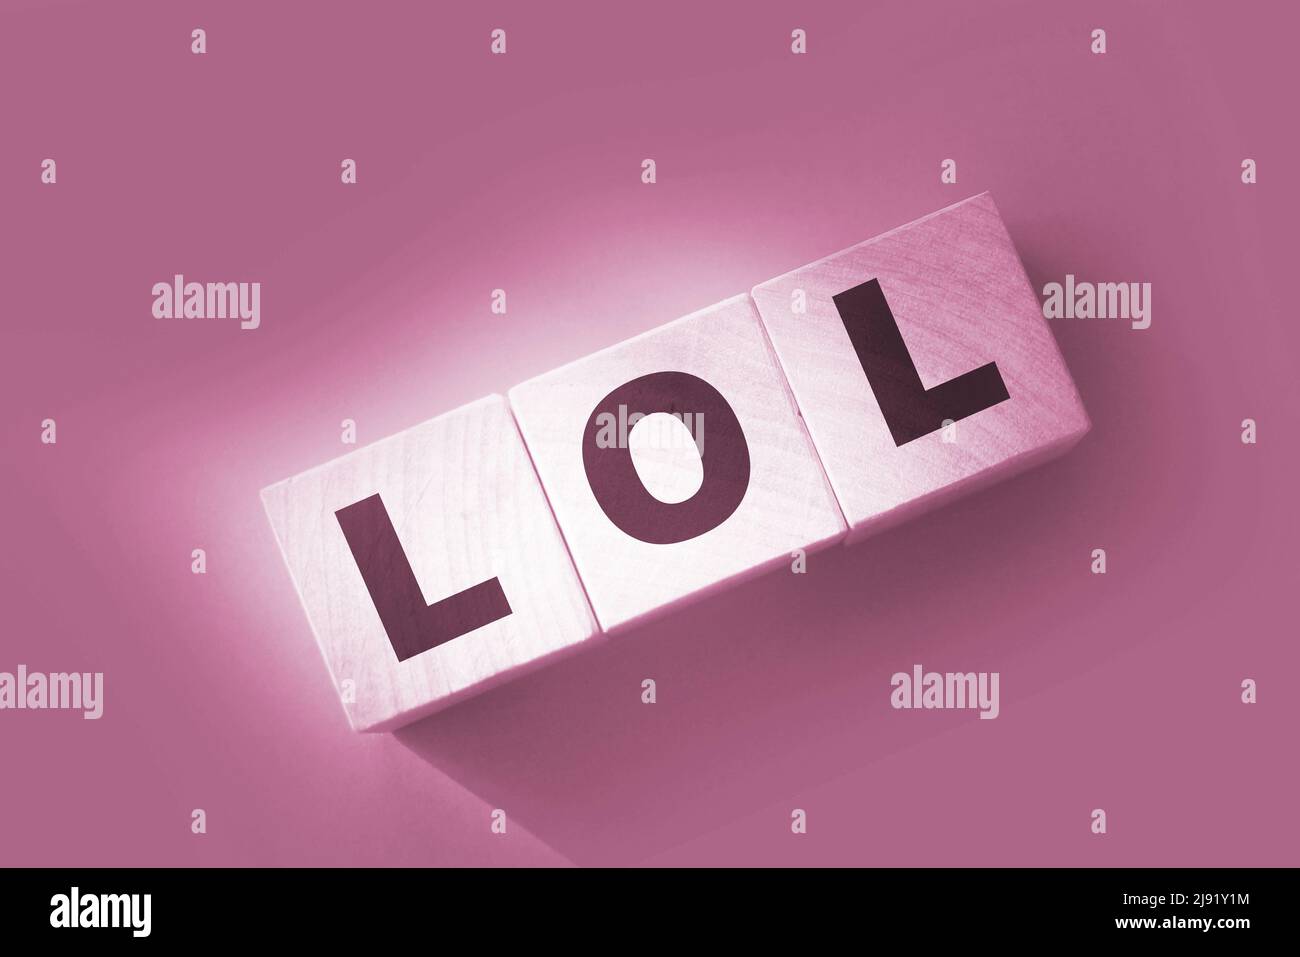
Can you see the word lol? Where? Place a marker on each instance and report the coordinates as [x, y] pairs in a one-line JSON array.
[[838, 399]]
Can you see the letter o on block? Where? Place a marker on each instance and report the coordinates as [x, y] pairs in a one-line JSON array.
[[725, 458]]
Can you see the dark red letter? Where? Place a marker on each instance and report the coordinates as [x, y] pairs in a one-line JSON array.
[[725, 457], [413, 627], [910, 409]]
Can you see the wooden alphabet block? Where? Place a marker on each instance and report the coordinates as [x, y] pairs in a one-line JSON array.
[[675, 462], [921, 364], [429, 565]]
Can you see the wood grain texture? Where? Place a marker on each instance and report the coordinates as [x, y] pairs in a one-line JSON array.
[[961, 299], [466, 505], [787, 505]]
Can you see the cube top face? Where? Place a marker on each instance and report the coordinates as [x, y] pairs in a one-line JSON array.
[[754, 471], [960, 299], [461, 496]]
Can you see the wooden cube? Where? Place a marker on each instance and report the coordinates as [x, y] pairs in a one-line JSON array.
[[429, 565], [922, 364], [737, 491]]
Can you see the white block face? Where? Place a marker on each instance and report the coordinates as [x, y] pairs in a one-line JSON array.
[[960, 300], [460, 496], [672, 523]]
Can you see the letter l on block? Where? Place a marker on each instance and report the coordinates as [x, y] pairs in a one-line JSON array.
[[450, 507], [412, 626], [910, 409]]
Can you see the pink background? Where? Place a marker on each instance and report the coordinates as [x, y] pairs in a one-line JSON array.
[[522, 171]]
